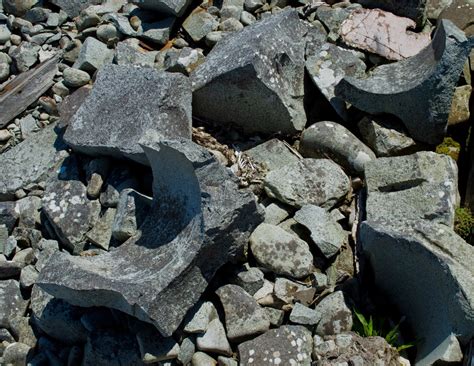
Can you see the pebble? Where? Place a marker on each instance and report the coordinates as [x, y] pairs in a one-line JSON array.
[[74, 78]]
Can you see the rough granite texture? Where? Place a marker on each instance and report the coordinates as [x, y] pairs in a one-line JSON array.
[[255, 78], [417, 90], [126, 105], [198, 222]]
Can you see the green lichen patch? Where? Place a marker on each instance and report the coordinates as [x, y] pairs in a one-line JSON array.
[[449, 147], [464, 224]]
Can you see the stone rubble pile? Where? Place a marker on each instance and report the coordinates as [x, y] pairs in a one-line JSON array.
[[231, 182]]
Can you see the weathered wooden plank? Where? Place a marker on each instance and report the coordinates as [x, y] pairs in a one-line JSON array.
[[25, 89]]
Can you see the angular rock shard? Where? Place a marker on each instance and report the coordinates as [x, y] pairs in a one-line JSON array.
[[127, 104], [417, 259], [417, 90], [171, 7], [255, 79], [199, 221]]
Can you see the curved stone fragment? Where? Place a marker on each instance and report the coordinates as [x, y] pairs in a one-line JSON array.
[[255, 78], [199, 220], [417, 90], [126, 104]]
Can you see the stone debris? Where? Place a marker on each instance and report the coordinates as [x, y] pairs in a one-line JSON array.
[[422, 97], [225, 183]]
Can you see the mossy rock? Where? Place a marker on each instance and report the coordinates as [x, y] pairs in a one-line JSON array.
[[449, 147], [464, 224]]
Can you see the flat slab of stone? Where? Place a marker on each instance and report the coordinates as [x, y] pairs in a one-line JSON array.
[[333, 140], [158, 276], [244, 318], [412, 187], [40, 156], [422, 97], [319, 182], [237, 84], [11, 302], [281, 252], [127, 104], [272, 154], [287, 345], [74, 7]]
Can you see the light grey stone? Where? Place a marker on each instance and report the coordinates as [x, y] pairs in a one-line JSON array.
[[449, 351], [200, 317], [422, 97], [247, 18], [11, 302], [106, 32], [199, 23], [25, 56], [328, 66], [281, 252], [158, 32], [286, 290], [126, 54], [93, 55], [171, 7], [4, 75], [244, 318], [159, 275], [4, 34], [336, 316], [186, 351], [304, 315], [332, 140], [28, 126], [22, 330], [214, 340], [326, 233], [17, 354], [231, 25], [309, 181], [226, 361], [385, 137], [28, 276], [332, 18], [41, 155], [122, 24], [272, 154], [202, 359], [412, 187], [237, 84], [275, 214], [70, 212], [128, 104], [287, 345], [74, 78], [276, 316]]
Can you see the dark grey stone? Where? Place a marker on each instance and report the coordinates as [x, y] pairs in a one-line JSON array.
[[287, 345], [74, 7], [272, 154], [171, 7], [127, 104], [255, 78], [40, 157], [198, 222], [417, 90], [244, 318], [11, 302], [8, 215], [332, 140], [413, 9]]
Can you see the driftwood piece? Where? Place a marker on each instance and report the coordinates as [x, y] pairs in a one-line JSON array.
[[25, 89]]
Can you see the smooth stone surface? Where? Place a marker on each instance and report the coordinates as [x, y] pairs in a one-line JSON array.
[[386, 137], [202, 359], [128, 104], [17, 354], [329, 65], [422, 97], [199, 317], [331, 139], [272, 154], [244, 318], [287, 345], [93, 55], [70, 212], [275, 214], [326, 233], [237, 83], [171, 7], [74, 7], [303, 315], [309, 181], [412, 187], [41, 155], [74, 78], [159, 275], [200, 23], [281, 252]]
